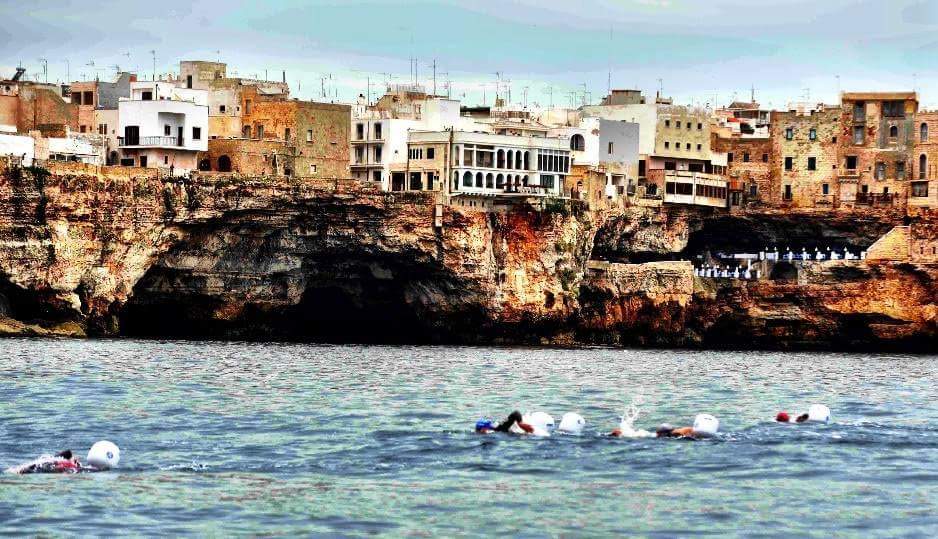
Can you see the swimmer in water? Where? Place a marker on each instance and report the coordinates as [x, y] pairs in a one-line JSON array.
[[705, 426], [513, 423], [62, 462], [102, 456], [783, 417]]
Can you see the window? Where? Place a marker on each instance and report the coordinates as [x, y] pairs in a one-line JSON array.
[[919, 189], [699, 147], [667, 145], [880, 171], [745, 157], [866, 188], [246, 131], [81, 129], [378, 152], [165, 159], [431, 153], [359, 131], [859, 111], [678, 124], [900, 170], [812, 163], [826, 189], [753, 190], [610, 148], [577, 143], [312, 169], [894, 109], [247, 106], [851, 162], [894, 132], [378, 131], [789, 163], [259, 129], [699, 127], [196, 133], [729, 157], [667, 123], [309, 135], [789, 133], [359, 154], [812, 134], [376, 175], [787, 195], [834, 140], [670, 165], [765, 158], [922, 167], [858, 133], [221, 109], [923, 132], [687, 146], [189, 81], [286, 134], [688, 126]]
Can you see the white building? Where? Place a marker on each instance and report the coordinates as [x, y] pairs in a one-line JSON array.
[[488, 165], [606, 146], [19, 146], [379, 137], [163, 126]]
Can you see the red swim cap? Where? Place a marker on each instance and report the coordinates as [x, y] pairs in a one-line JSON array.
[[782, 417]]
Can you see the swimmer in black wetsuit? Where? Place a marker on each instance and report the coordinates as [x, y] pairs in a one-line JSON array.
[[62, 462], [514, 418]]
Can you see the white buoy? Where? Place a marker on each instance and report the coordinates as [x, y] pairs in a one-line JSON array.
[[706, 425], [571, 423], [104, 455], [819, 413], [539, 419]]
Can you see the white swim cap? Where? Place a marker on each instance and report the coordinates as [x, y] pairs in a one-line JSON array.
[[572, 423], [706, 425], [539, 419], [104, 455], [819, 412]]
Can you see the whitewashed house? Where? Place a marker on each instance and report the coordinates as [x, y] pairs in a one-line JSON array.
[[163, 126]]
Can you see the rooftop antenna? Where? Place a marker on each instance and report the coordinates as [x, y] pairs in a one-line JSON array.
[[45, 68], [218, 56], [153, 53], [524, 92], [609, 77], [752, 95], [433, 65], [91, 65], [550, 92], [660, 87], [68, 72]]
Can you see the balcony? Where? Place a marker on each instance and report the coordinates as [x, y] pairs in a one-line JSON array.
[[150, 142], [874, 199]]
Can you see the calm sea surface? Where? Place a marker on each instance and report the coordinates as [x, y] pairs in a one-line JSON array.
[[282, 439]]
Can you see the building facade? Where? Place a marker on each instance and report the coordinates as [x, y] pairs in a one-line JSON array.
[[805, 144], [163, 126]]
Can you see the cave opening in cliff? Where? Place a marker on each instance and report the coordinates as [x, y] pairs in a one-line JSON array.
[[336, 297]]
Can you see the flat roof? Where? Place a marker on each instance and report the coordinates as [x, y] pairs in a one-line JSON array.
[[875, 96]]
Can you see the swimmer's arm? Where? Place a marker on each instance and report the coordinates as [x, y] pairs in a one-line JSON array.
[[687, 432]]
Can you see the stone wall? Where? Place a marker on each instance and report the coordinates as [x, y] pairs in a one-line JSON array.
[[807, 186]]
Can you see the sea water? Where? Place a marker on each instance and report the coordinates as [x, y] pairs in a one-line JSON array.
[[246, 438]]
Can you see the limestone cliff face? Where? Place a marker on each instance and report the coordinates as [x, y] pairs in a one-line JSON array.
[[92, 252], [215, 257]]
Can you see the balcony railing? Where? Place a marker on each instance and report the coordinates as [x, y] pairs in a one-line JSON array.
[[151, 141]]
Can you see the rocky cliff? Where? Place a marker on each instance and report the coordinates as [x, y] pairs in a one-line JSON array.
[[86, 251]]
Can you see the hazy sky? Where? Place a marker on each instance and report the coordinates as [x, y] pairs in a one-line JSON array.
[[700, 49]]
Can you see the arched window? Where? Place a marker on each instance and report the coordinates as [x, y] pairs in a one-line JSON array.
[[893, 132], [489, 181], [922, 167], [246, 132], [524, 181], [577, 143], [224, 164], [500, 159], [518, 160], [205, 165], [455, 181], [467, 179], [527, 161], [500, 181], [456, 155], [923, 132], [511, 159], [479, 180]]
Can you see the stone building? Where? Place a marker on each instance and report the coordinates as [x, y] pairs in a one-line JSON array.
[[804, 157], [98, 104], [225, 93], [319, 131], [32, 106], [269, 157], [923, 183], [748, 166], [876, 146]]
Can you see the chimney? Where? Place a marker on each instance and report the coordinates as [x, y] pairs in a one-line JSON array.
[[284, 76]]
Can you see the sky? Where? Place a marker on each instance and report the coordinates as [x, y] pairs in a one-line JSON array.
[[544, 52]]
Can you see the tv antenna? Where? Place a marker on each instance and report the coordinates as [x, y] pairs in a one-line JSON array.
[[45, 68]]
